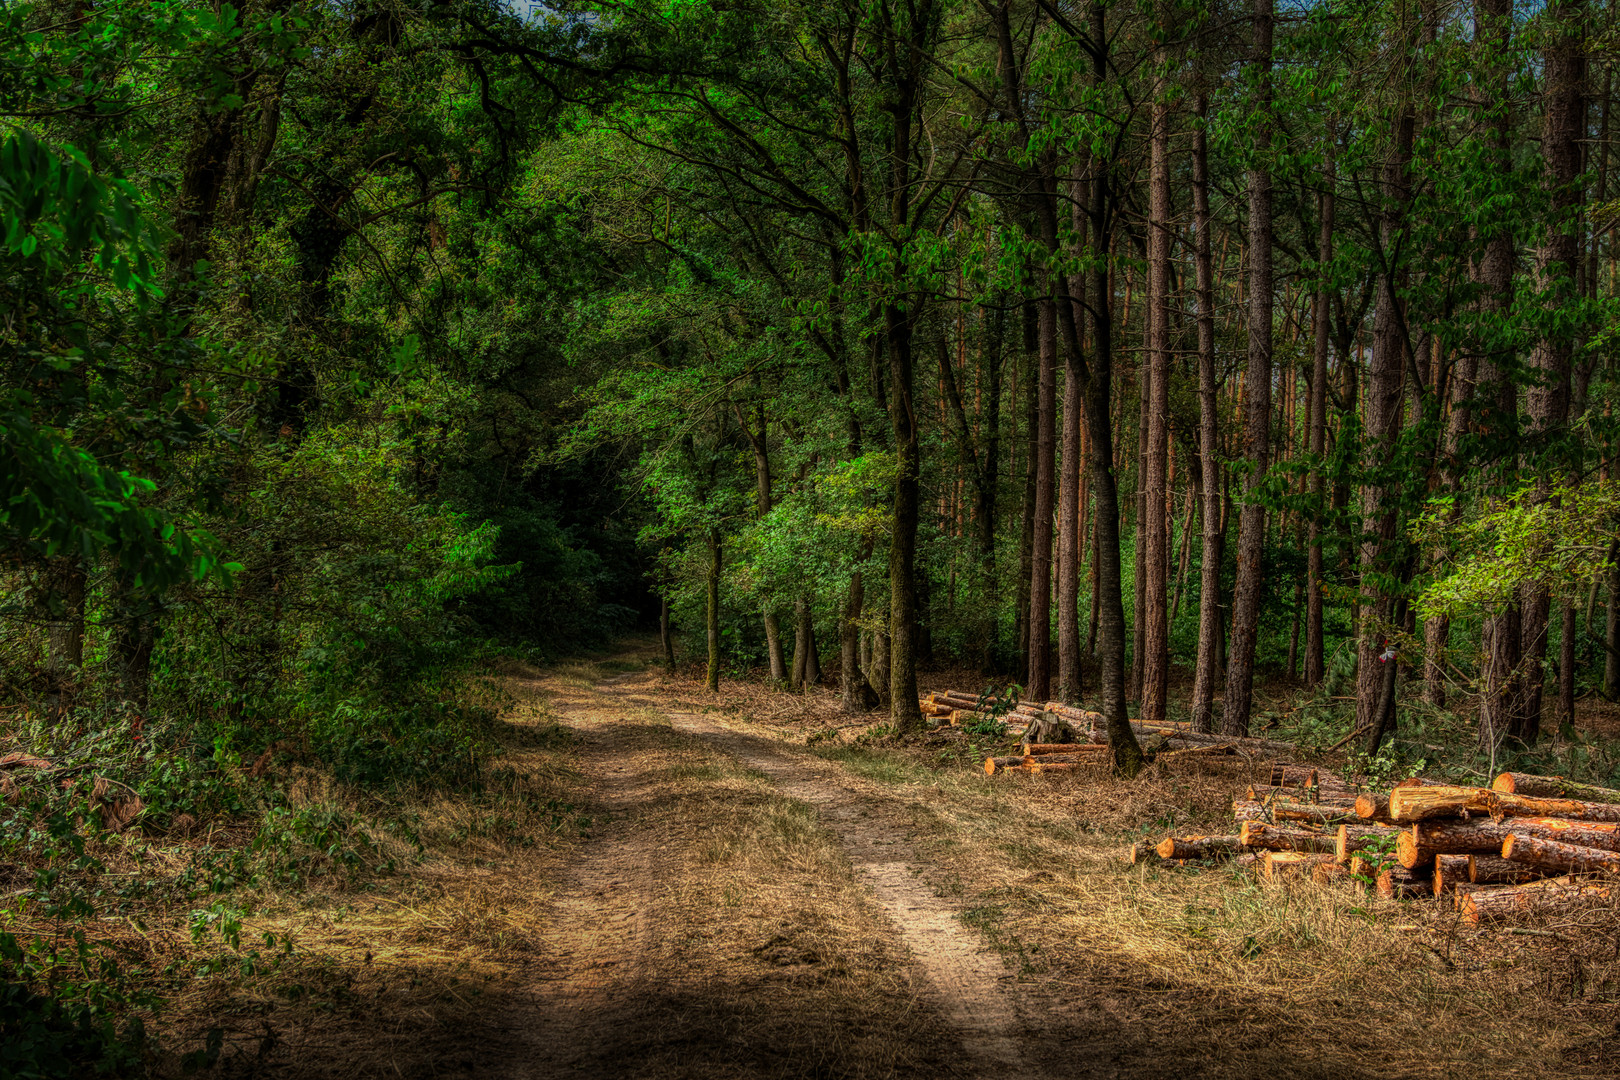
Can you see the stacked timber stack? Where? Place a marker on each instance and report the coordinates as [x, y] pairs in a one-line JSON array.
[[1285, 828], [1540, 841], [1088, 730]]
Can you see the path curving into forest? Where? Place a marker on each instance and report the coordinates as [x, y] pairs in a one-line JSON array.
[[857, 969]]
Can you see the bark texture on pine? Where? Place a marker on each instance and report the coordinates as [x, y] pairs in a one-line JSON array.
[[712, 611], [1206, 672], [1032, 428], [1500, 632], [1108, 598], [1547, 399], [65, 580], [665, 637], [1247, 591], [1316, 434], [1070, 547], [902, 657], [1039, 682], [1386, 374], [1156, 548]]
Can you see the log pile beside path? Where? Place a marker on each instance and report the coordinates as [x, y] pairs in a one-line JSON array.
[[1526, 845], [1089, 730]]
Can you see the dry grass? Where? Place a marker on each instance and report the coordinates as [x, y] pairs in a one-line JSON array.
[[1213, 972]]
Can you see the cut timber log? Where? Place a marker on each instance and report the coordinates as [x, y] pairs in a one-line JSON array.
[[1493, 870], [1373, 806], [1284, 864], [1248, 810], [1552, 787], [1449, 872], [1556, 855], [1258, 834], [993, 765], [1327, 873], [1197, 739], [1039, 765], [1427, 839], [1548, 897], [1285, 775], [1199, 847], [1218, 750], [1399, 883], [1360, 837], [1310, 812], [1143, 851], [1409, 805], [1060, 748], [1262, 792]]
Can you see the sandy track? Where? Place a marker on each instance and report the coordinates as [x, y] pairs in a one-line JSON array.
[[967, 982], [622, 992]]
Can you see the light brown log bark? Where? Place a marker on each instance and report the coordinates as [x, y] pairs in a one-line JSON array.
[[1399, 883], [1552, 787], [1354, 838], [1449, 872], [1408, 805], [1286, 864], [1495, 870], [1199, 847], [1553, 896], [1558, 856], [1259, 834]]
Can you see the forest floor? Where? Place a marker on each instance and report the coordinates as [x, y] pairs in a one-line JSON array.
[[748, 886]]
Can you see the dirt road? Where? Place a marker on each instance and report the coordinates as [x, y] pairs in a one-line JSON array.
[[744, 911]]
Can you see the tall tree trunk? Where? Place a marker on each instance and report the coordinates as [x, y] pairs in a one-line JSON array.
[[1500, 631], [990, 469], [1040, 580], [1144, 395], [1108, 598], [665, 637], [903, 708], [1385, 383], [855, 689], [1032, 428], [806, 660], [1611, 628], [1070, 546], [1547, 400], [1315, 657], [1206, 672], [762, 497], [1246, 593], [712, 612], [65, 581], [1156, 549]]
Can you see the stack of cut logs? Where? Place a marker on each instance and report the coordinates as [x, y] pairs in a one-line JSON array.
[[955, 708], [1525, 844]]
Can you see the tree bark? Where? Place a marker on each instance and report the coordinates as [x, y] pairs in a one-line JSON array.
[[1206, 671], [1070, 547], [1156, 640], [1032, 428], [1109, 600], [665, 637], [1547, 399], [712, 613], [1316, 436], [1500, 632], [65, 582], [1247, 592], [1039, 682], [1559, 856]]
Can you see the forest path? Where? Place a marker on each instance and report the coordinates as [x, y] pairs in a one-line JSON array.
[[743, 910]]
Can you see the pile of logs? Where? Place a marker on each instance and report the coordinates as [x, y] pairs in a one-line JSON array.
[[1524, 844], [1087, 729]]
